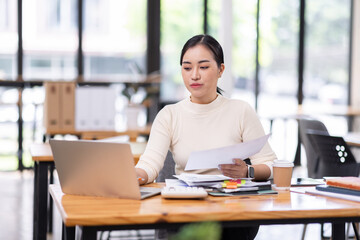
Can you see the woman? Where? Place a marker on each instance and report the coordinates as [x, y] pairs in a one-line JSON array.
[[205, 120]]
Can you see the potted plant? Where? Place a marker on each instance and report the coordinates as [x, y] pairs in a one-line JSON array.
[[140, 95], [196, 231]]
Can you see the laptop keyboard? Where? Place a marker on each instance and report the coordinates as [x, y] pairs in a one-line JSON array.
[[144, 193]]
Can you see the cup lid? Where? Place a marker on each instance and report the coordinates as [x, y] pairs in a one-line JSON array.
[[282, 163]]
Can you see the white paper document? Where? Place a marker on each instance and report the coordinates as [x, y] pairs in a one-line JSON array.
[[192, 177], [202, 180], [175, 183], [225, 155]]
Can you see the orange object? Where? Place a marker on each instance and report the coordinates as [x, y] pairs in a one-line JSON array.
[[231, 186]]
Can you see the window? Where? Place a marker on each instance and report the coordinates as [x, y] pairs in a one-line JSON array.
[[278, 76], [50, 39], [327, 51], [326, 74], [244, 44], [244, 49], [278, 57], [114, 39], [8, 96], [8, 39], [180, 20]]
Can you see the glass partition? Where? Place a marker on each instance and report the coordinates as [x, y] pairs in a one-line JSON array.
[[180, 20], [278, 57], [50, 39], [8, 39], [244, 44], [244, 50], [326, 73], [278, 75], [114, 39]]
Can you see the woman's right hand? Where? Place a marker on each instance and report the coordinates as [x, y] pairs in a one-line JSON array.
[[141, 176]]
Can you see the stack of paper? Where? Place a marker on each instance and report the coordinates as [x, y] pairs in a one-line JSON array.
[[249, 186], [217, 182], [195, 180]]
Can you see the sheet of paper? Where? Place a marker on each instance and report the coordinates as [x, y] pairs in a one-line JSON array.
[[192, 177], [175, 183], [225, 155], [202, 180]]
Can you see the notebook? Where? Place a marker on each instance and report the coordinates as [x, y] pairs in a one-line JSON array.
[[97, 168], [328, 188]]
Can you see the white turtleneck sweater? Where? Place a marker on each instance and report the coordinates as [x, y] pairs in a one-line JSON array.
[[185, 127]]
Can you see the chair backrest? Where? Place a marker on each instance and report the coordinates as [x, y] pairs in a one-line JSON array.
[[311, 126], [168, 169], [335, 156]]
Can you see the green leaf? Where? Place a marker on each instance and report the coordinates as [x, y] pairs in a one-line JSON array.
[[197, 231]]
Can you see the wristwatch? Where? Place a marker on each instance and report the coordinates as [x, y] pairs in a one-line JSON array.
[[251, 173]]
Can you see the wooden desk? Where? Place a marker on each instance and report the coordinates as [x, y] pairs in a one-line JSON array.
[[353, 139], [92, 135], [345, 111], [340, 111], [43, 163], [93, 214], [349, 112], [41, 152]]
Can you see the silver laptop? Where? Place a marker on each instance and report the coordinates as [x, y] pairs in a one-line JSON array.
[[97, 168]]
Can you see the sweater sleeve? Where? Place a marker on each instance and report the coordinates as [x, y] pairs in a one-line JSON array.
[[152, 160], [253, 129]]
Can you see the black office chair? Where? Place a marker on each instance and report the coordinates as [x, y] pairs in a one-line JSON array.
[[168, 170], [334, 159], [313, 126], [334, 156]]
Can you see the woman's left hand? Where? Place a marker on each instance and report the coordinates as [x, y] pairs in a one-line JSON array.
[[237, 170]]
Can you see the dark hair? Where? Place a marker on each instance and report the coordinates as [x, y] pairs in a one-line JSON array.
[[209, 42]]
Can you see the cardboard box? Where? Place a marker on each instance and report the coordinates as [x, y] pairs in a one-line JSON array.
[[67, 106], [52, 106]]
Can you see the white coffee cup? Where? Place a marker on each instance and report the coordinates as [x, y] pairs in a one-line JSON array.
[[282, 171]]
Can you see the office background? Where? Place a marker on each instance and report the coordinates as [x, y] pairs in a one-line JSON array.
[[280, 55]]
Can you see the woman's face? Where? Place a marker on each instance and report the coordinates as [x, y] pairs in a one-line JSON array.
[[200, 73]]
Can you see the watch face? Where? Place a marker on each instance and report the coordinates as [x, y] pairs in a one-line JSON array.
[[251, 172]]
